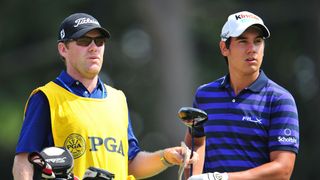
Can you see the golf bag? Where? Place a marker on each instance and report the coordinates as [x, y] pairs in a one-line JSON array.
[[52, 163], [57, 163]]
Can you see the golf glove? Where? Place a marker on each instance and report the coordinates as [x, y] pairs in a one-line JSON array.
[[210, 176]]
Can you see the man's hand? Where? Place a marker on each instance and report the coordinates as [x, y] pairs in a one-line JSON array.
[[158, 161], [210, 176], [176, 156]]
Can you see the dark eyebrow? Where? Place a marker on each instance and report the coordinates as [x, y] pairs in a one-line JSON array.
[[240, 37]]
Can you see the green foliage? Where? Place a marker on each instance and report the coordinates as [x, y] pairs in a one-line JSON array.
[[11, 121]]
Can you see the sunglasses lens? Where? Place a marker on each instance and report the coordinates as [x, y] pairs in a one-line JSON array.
[[99, 41], [86, 41]]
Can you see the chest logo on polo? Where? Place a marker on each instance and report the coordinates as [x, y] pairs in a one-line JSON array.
[[252, 119], [76, 144]]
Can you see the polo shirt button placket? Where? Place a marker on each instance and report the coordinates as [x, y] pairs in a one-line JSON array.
[[86, 94]]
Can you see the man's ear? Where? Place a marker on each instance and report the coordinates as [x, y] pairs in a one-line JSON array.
[[62, 48], [223, 48]]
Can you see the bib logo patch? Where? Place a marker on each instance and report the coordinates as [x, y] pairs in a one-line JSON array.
[[76, 144]]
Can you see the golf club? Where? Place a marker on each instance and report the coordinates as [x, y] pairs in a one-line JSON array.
[[192, 117]]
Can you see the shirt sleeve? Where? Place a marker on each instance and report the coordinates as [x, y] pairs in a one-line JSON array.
[[36, 131], [198, 131], [284, 125], [134, 148]]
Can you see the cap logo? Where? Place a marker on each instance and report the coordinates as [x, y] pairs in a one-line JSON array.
[[81, 21], [241, 16], [225, 35], [62, 34]]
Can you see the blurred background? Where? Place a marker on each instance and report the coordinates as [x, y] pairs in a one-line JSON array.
[[159, 53]]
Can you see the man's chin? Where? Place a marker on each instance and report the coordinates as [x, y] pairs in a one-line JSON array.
[[94, 70], [91, 74]]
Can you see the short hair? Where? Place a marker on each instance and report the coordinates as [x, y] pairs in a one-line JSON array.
[[227, 42]]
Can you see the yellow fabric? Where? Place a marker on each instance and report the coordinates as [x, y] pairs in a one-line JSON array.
[[131, 178], [94, 130]]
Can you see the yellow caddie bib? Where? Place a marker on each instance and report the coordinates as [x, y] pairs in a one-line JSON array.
[[94, 130]]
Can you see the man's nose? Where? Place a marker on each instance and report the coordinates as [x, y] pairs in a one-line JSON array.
[[251, 47], [93, 46]]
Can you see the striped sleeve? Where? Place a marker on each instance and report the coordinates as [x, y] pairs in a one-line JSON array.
[[284, 124]]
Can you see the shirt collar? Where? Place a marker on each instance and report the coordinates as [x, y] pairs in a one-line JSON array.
[[66, 78], [256, 86], [69, 81], [260, 83], [225, 81]]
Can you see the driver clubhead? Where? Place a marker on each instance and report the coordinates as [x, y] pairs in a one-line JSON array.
[[192, 116]]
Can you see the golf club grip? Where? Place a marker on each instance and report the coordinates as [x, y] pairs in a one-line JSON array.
[[191, 165], [192, 149]]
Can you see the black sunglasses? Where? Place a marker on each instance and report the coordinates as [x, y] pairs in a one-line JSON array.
[[86, 41]]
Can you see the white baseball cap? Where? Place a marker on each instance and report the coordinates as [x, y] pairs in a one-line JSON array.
[[237, 23]]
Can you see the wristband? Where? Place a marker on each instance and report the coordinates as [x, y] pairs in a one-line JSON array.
[[164, 161]]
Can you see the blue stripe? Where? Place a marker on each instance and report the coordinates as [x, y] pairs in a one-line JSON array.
[[230, 153], [234, 163], [236, 143], [245, 131]]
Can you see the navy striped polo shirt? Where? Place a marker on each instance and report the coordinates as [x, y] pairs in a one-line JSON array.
[[243, 129]]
